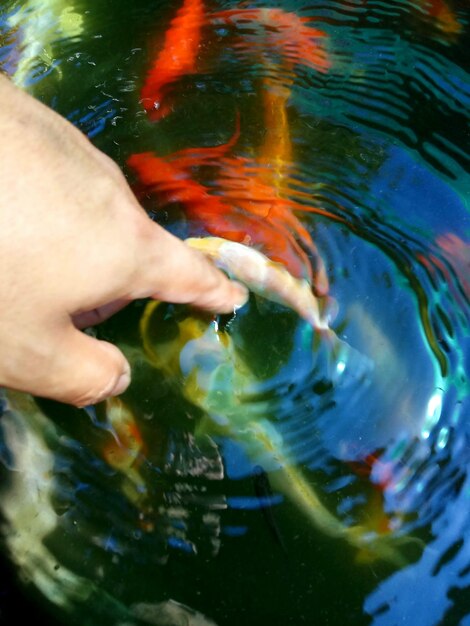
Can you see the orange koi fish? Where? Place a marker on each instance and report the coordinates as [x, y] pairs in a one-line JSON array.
[[240, 206], [277, 30], [378, 476], [276, 151], [238, 215], [452, 264], [244, 184], [177, 58], [124, 449]]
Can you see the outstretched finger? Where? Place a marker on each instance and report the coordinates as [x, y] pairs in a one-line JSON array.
[[174, 272]]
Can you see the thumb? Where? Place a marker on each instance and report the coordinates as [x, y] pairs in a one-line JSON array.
[[82, 370]]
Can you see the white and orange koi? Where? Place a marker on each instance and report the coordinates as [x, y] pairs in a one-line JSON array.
[[262, 276]]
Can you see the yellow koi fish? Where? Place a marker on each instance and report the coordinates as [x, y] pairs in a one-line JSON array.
[[125, 449], [203, 362]]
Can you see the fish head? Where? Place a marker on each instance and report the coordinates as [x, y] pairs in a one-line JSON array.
[[157, 107]]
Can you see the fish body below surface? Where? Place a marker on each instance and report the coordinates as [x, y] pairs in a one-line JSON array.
[[177, 58], [205, 365], [262, 276], [275, 30], [272, 29], [275, 283], [243, 204]]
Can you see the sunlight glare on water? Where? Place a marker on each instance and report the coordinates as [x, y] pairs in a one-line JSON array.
[[259, 469]]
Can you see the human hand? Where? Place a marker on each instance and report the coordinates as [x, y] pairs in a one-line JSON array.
[[75, 246]]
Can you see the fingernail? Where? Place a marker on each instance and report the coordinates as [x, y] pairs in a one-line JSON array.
[[122, 384], [242, 296], [119, 387]]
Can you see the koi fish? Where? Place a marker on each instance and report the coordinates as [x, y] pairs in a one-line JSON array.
[[262, 276], [240, 206], [125, 451], [202, 361], [378, 476], [218, 216], [250, 189], [126, 445], [244, 186], [279, 31], [442, 15], [177, 58], [276, 151], [30, 516], [457, 253]]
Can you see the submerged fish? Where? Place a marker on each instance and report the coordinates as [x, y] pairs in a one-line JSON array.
[[442, 15], [277, 32], [262, 276], [203, 362], [125, 450], [177, 58], [244, 204], [249, 200], [457, 253]]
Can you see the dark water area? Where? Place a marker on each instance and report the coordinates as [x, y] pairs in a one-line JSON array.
[[256, 472]]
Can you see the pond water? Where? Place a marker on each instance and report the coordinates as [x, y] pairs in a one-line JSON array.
[[308, 481]]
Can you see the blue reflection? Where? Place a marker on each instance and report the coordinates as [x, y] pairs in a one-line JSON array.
[[248, 503], [423, 589]]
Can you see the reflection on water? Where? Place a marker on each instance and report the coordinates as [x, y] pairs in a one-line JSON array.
[[254, 471]]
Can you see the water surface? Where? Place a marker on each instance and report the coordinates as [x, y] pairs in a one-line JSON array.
[[379, 143]]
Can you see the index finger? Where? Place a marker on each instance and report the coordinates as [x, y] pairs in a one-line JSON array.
[[174, 272]]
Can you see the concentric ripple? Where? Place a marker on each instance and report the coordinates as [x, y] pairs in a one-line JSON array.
[[309, 478]]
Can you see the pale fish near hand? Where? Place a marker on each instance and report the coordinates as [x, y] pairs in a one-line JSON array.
[[262, 276], [275, 283], [204, 363]]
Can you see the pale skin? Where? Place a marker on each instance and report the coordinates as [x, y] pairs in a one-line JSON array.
[[75, 247]]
